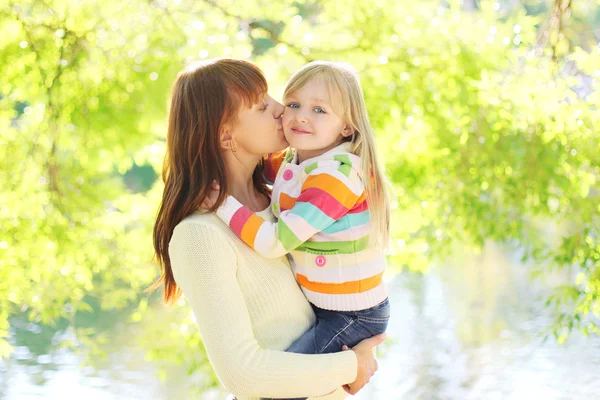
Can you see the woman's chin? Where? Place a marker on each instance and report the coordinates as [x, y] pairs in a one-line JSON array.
[[281, 146]]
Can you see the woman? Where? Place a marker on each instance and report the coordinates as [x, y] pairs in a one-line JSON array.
[[248, 309]]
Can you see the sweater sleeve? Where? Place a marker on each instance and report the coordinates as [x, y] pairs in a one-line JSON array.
[[204, 266], [327, 194]]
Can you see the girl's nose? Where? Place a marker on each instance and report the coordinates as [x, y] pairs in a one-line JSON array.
[[301, 117]]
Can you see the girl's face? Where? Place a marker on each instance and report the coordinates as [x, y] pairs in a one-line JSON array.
[[258, 130], [309, 122]]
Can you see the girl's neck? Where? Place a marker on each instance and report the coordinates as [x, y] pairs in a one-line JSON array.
[[304, 155]]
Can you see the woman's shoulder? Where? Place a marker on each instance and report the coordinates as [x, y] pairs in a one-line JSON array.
[[208, 219], [198, 225], [200, 241]]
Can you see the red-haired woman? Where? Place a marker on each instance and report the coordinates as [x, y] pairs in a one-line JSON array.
[[249, 309]]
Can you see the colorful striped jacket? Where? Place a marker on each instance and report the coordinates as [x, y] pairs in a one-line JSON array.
[[323, 223]]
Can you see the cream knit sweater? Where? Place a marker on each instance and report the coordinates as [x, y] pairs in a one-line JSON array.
[[249, 309]]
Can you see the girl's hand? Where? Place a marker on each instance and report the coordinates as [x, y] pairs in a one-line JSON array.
[[367, 364], [211, 198]]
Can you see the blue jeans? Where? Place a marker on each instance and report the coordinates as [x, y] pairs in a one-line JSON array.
[[333, 329]]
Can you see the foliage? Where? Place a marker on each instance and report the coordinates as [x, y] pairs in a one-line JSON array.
[[488, 134]]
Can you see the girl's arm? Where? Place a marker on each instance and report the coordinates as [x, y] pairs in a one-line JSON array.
[[205, 266], [327, 195]]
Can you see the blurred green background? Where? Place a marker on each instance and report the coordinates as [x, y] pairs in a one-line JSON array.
[[487, 116]]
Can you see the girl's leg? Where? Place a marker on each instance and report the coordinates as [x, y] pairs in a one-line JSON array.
[[334, 329], [315, 339], [356, 326]]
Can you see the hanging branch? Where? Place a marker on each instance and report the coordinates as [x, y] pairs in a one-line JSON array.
[[561, 8]]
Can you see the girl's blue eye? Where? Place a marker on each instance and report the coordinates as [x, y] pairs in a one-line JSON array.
[[293, 105], [319, 110]]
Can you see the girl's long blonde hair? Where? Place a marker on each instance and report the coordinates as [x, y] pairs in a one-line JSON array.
[[346, 98]]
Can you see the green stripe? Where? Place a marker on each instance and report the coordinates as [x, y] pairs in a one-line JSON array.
[[345, 169], [347, 247], [289, 156], [311, 167], [287, 237], [343, 158]]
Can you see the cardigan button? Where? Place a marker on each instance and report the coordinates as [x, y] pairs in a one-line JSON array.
[[320, 261], [288, 174]]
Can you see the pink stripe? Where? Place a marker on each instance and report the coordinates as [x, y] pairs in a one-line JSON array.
[[363, 206], [239, 219], [324, 201]]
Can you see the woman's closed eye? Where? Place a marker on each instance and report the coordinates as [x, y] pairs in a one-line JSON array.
[[265, 106]]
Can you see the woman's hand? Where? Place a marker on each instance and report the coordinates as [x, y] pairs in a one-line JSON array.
[[211, 198], [367, 364]]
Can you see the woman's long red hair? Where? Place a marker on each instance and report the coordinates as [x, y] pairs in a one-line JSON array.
[[205, 97]]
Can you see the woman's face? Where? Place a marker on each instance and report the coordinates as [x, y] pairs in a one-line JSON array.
[[258, 130]]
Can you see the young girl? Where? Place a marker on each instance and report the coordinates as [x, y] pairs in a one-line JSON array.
[[332, 206]]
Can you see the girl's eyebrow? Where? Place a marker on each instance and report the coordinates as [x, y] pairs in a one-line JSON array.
[[314, 99]]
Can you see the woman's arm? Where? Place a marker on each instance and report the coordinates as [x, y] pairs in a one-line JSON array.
[[327, 195], [204, 266]]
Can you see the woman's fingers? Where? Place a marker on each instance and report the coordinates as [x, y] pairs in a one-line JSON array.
[[367, 365], [374, 341]]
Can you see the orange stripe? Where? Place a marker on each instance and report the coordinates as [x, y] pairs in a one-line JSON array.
[[333, 186], [286, 202], [250, 229], [362, 197], [340, 288]]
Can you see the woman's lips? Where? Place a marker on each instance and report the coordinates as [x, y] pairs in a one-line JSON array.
[[299, 131]]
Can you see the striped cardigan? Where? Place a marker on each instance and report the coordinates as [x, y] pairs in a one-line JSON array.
[[323, 223]]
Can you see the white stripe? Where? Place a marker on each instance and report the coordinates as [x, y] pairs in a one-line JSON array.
[[356, 187], [337, 274], [266, 243], [348, 302], [362, 257]]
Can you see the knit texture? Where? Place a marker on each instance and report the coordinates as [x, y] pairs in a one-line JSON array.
[[324, 224], [249, 309]]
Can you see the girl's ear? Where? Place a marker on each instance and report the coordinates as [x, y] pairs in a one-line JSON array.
[[347, 131]]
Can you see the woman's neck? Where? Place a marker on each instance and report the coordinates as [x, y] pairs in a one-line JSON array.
[[240, 184]]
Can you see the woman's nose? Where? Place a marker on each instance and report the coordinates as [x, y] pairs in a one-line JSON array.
[[277, 109]]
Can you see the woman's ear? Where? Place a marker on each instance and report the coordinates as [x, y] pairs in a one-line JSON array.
[[347, 131], [225, 138]]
